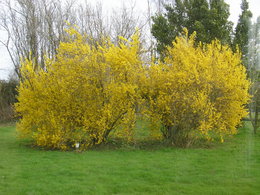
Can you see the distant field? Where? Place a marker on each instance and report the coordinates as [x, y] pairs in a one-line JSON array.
[[229, 168]]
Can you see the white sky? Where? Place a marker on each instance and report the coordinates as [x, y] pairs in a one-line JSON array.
[[141, 5]]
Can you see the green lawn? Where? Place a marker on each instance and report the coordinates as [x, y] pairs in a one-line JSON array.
[[229, 168]]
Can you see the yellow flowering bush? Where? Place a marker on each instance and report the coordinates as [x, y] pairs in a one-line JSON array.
[[87, 91], [84, 93], [199, 90]]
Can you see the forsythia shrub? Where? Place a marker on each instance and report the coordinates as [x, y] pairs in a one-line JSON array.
[[82, 95], [197, 90]]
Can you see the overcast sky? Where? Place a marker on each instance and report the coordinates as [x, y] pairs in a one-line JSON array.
[[141, 5]]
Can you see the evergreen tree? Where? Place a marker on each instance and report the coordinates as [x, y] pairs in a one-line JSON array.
[[198, 14], [219, 26], [242, 30], [168, 25], [208, 19]]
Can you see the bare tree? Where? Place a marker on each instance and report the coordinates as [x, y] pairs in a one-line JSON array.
[[159, 5], [35, 28]]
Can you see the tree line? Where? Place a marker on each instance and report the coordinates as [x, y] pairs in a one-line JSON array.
[[35, 28]]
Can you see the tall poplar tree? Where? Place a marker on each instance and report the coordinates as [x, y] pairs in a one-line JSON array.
[[242, 30], [254, 73]]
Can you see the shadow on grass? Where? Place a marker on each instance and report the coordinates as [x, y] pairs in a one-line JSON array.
[[152, 144], [7, 123], [121, 144], [143, 143]]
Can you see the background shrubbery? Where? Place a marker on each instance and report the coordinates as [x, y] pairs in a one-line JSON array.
[[8, 95]]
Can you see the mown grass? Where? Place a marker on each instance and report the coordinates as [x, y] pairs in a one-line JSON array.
[[229, 168]]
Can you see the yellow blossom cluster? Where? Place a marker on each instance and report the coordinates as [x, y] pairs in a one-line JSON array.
[[87, 91], [197, 90], [82, 94]]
